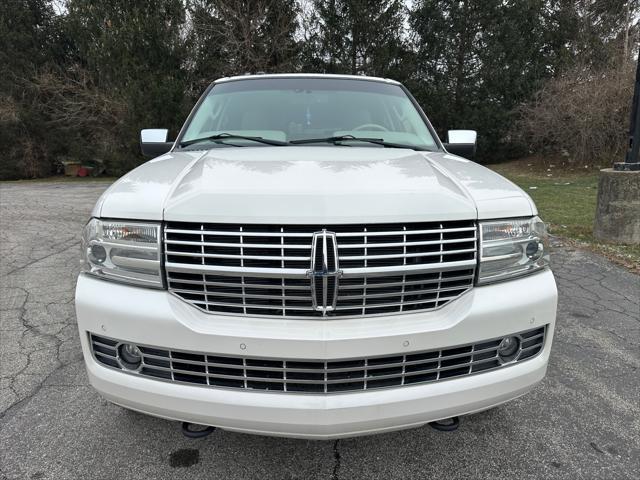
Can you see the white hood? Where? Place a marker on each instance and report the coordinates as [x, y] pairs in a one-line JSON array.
[[312, 184]]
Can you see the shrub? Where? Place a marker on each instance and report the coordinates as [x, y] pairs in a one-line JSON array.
[[582, 115]]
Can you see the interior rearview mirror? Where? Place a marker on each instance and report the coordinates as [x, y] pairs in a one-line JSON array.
[[461, 142], [153, 141]]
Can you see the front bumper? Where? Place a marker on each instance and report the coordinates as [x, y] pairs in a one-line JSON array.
[[157, 318]]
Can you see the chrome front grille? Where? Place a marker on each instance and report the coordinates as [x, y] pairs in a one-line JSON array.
[[276, 270], [319, 376]]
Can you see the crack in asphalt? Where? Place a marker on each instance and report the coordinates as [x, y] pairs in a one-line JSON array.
[[15, 407], [44, 287], [336, 461], [36, 330], [51, 340], [57, 252]]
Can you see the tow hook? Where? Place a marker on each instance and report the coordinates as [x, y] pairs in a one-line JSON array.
[[446, 425], [189, 432]]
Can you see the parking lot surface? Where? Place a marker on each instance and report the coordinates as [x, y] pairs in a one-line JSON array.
[[582, 422]]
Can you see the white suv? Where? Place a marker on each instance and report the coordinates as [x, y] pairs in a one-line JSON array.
[[307, 259]]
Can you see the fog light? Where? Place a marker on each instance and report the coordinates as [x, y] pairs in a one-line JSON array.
[[98, 253], [534, 250], [508, 348], [130, 356]]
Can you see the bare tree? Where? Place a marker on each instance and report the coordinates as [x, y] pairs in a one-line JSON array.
[[235, 36], [581, 115]]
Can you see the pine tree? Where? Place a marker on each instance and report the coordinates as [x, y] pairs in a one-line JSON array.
[[358, 36], [29, 36], [477, 61], [231, 37], [133, 50]]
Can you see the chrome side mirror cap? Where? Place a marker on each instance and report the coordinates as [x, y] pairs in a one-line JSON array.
[[153, 141], [461, 142]]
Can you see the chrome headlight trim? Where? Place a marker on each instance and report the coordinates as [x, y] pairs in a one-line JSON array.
[[123, 251], [511, 248]]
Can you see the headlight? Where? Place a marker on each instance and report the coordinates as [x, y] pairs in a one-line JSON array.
[[122, 251], [511, 248]]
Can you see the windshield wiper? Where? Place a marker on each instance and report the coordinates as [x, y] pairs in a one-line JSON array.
[[230, 136], [342, 138]]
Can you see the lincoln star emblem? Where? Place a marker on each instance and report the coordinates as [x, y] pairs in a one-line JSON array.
[[324, 272]]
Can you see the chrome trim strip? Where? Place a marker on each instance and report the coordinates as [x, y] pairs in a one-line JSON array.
[[406, 293], [355, 233], [408, 269], [401, 233], [239, 295], [406, 283], [241, 256], [302, 273], [407, 255], [237, 271], [240, 284], [237, 233], [275, 246], [348, 246]]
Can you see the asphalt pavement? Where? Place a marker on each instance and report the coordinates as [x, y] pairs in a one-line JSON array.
[[582, 422]]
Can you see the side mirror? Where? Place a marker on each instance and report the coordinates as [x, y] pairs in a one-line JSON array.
[[153, 141], [461, 142]]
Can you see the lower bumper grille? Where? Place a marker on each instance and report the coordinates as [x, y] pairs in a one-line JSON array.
[[318, 376]]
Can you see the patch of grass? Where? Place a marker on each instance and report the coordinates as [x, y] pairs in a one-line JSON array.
[[567, 201]]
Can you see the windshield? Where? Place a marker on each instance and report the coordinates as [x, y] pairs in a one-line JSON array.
[[293, 109]]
